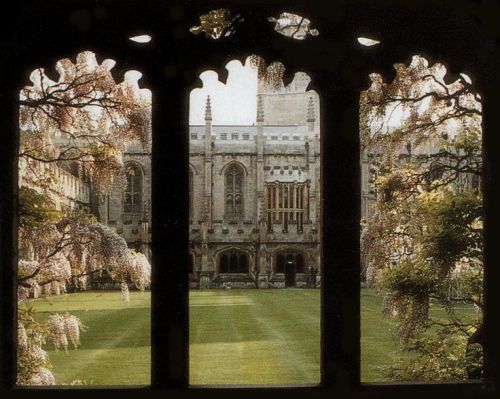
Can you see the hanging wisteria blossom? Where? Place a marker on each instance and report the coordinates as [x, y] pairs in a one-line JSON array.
[[81, 121]]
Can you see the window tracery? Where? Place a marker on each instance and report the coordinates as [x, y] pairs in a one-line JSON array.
[[234, 192], [233, 261], [132, 197], [287, 203]]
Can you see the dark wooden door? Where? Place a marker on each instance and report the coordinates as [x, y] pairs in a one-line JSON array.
[[290, 273]]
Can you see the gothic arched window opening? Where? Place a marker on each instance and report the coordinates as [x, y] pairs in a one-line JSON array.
[[234, 191], [132, 196], [233, 261]]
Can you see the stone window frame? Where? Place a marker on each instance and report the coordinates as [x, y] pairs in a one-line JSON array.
[[340, 356]]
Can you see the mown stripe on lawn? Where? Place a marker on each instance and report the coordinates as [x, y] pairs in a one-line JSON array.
[[273, 341]]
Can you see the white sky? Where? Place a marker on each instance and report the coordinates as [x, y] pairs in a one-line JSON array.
[[233, 103]]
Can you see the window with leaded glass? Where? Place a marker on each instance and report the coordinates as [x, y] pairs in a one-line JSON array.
[[234, 191], [233, 261], [133, 191]]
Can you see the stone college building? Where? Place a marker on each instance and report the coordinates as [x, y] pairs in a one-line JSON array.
[[255, 194]]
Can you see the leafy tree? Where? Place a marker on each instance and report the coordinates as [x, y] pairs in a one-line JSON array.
[[423, 240]]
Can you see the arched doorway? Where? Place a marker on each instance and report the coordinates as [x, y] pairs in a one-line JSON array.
[[290, 263], [290, 271]]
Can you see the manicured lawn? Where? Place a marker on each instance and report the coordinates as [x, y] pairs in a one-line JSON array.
[[236, 337], [115, 348], [377, 343], [272, 337], [254, 337]]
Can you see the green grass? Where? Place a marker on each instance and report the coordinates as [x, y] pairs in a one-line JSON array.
[[116, 347], [378, 344], [236, 337], [254, 337]]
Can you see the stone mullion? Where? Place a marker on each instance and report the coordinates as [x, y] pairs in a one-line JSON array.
[[286, 207], [283, 207], [233, 191], [275, 202], [300, 207], [289, 203], [306, 202]]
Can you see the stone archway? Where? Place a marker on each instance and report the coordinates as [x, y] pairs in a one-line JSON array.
[[233, 261]]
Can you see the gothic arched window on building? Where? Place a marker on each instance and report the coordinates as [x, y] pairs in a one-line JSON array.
[[133, 191], [233, 261], [475, 181], [234, 192]]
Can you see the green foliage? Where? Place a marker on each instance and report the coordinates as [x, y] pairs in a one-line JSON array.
[[410, 277], [35, 209], [446, 266], [439, 355], [454, 228]]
